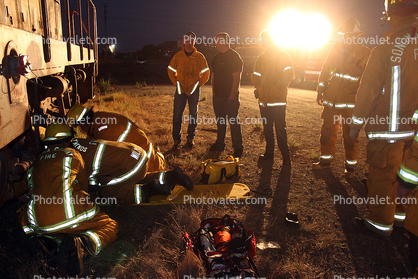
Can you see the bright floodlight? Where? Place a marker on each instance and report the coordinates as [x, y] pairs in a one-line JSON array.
[[291, 28]]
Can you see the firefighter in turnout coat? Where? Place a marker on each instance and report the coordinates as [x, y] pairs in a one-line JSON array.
[[120, 170], [59, 204], [337, 88], [273, 71], [386, 102], [114, 127]]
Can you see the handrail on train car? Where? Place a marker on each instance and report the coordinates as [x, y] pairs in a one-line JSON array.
[[87, 29]]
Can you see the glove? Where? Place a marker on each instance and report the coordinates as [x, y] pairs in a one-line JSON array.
[[319, 99], [354, 134], [256, 93]]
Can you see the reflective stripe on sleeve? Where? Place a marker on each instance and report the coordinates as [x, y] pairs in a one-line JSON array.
[[67, 191], [204, 70], [357, 120], [257, 74], [272, 104], [415, 116], [286, 69], [171, 68], [178, 87], [391, 135], [194, 88], [161, 178], [347, 77], [96, 162], [131, 173], [149, 153], [338, 105], [123, 136], [73, 222], [408, 175]]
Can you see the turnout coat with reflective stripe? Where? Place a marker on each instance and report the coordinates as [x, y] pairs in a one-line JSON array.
[[188, 72], [112, 163], [388, 94], [341, 74], [273, 71], [116, 127], [59, 201]]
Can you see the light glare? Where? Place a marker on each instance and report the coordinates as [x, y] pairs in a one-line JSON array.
[[291, 28]]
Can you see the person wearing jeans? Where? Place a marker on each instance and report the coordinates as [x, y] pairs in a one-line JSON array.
[[188, 71], [275, 116], [226, 78], [226, 110], [180, 101]]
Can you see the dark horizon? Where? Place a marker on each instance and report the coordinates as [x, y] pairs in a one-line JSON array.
[[138, 23]]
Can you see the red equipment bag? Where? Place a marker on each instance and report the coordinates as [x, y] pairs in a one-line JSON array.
[[224, 247]]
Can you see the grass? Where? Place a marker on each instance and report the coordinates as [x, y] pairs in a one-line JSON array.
[[293, 144], [140, 84], [150, 243], [103, 85]]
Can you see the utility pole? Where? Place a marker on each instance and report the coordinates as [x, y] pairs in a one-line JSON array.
[[105, 27]]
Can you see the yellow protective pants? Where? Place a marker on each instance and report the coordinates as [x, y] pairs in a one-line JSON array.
[[384, 161], [329, 132], [156, 161], [129, 192], [101, 230]]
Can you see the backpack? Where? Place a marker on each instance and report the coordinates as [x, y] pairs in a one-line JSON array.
[[224, 247], [214, 170]]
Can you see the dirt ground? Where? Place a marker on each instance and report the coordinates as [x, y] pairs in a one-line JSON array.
[[324, 246]]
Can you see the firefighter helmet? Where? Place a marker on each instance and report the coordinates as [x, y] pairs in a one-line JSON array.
[[57, 131], [76, 114], [351, 27], [401, 7]]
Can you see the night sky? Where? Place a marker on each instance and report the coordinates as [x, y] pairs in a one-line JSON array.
[[137, 23]]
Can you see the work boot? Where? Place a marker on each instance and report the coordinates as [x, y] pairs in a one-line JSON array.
[[154, 188], [266, 156], [45, 246], [360, 225], [189, 144], [238, 152], [217, 147], [176, 146], [321, 165], [75, 249], [182, 179]]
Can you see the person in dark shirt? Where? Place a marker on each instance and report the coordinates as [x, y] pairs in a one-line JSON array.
[[226, 76]]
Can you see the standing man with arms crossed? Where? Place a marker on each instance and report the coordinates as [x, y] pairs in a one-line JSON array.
[[226, 77], [188, 71], [337, 88], [273, 71], [387, 100]]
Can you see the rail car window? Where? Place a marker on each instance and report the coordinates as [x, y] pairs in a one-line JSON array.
[[11, 12], [35, 19]]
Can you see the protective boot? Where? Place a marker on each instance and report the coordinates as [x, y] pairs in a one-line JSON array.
[[76, 252], [178, 177], [154, 188]]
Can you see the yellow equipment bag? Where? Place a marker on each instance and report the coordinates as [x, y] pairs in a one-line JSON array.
[[215, 170]]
